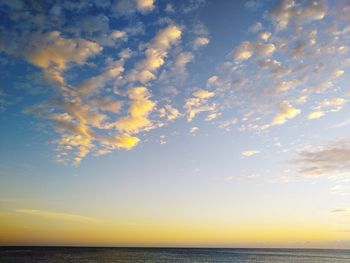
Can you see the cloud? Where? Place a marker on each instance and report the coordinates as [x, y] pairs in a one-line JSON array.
[[315, 115], [213, 80], [346, 211], [252, 5], [53, 53], [203, 94], [287, 11], [265, 35], [199, 103], [194, 130], [144, 5], [57, 216], [340, 190], [284, 86], [294, 59], [200, 42], [4, 102], [169, 112], [294, 65], [52, 49], [212, 116], [169, 8], [90, 116], [244, 51], [80, 118], [285, 112], [156, 53], [140, 108], [228, 123], [334, 102], [129, 7], [326, 106], [247, 49], [92, 85], [120, 141], [181, 62], [107, 104], [192, 5], [255, 28], [250, 153], [328, 160]]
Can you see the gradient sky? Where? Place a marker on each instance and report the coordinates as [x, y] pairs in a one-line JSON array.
[[175, 123]]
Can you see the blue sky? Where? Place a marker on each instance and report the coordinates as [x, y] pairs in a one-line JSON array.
[[184, 115]]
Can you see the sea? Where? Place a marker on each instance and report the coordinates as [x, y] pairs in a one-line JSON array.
[[182, 255]]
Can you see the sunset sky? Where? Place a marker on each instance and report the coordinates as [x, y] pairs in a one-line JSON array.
[[175, 123]]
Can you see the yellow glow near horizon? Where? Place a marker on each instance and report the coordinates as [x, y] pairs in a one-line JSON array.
[[25, 229]]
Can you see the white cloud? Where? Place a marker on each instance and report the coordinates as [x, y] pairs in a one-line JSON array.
[[140, 107], [265, 36], [155, 54], [247, 49], [285, 112], [144, 5], [250, 153], [129, 7], [199, 103], [287, 11], [200, 42], [52, 48], [315, 115], [169, 112], [244, 51], [194, 130]]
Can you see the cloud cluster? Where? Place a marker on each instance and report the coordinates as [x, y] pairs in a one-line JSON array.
[[106, 107], [288, 68], [295, 67], [290, 11], [326, 106]]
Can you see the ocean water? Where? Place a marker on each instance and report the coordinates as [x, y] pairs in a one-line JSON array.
[[182, 255]]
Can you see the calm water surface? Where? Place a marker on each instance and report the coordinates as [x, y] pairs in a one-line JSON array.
[[186, 255]]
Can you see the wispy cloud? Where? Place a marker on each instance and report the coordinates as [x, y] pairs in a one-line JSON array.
[[341, 211], [56, 216], [327, 160]]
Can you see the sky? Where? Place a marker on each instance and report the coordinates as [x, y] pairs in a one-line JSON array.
[[175, 123]]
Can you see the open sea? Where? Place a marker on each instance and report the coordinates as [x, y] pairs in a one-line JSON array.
[[182, 255]]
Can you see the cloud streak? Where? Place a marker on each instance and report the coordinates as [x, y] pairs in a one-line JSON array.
[[56, 216]]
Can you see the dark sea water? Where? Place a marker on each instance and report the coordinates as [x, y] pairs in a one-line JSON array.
[[182, 255]]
